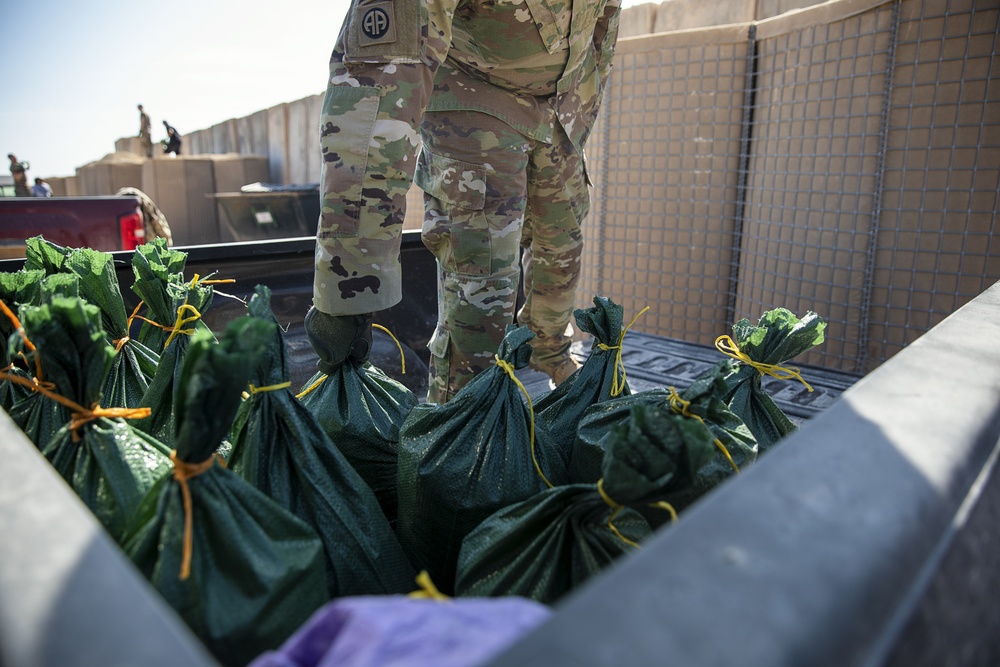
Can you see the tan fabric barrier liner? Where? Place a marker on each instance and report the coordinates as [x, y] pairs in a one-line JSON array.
[[824, 14]]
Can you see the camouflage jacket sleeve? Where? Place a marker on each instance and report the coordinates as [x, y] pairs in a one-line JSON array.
[[381, 77]]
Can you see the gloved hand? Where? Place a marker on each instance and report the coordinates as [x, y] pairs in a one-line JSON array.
[[336, 338]]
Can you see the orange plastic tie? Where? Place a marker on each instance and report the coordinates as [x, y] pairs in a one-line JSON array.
[[184, 471]]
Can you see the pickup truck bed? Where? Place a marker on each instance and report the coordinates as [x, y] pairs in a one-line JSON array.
[[867, 538]]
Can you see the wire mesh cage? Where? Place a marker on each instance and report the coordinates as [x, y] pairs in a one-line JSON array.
[[843, 159]]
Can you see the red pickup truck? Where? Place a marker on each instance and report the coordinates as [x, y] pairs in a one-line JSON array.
[[105, 223]]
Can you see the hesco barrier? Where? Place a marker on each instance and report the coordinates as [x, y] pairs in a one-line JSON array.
[[842, 158]]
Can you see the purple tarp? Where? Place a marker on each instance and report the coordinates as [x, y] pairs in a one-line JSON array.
[[399, 631]]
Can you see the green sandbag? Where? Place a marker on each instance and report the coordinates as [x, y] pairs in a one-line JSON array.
[[180, 302], [778, 337], [463, 460], [134, 363], [281, 449], [16, 288], [362, 409], [546, 546], [254, 571], [43, 255], [735, 449], [38, 416], [108, 464], [558, 412], [155, 266]]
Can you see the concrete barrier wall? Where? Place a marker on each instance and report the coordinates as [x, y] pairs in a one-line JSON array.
[[224, 137], [277, 143], [252, 134]]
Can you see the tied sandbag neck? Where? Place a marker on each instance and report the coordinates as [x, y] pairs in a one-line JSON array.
[[120, 343], [27, 343], [427, 590], [509, 369], [80, 414], [181, 321], [402, 360], [618, 507], [618, 386], [185, 307], [183, 471], [680, 406], [728, 347], [262, 390]]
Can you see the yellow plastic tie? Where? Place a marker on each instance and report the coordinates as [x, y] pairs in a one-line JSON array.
[[617, 507], [427, 591], [618, 386], [680, 406], [80, 414], [402, 358], [509, 368], [270, 387], [120, 343], [728, 347], [214, 281], [84, 416], [181, 321], [664, 505], [183, 471], [311, 387], [24, 337]]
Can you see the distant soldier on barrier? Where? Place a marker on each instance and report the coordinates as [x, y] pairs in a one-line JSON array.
[[145, 133], [502, 96], [19, 171], [172, 144]]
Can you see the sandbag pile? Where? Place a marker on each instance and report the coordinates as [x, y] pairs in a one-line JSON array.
[[286, 525], [139, 413]]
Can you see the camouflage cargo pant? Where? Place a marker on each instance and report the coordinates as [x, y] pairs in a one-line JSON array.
[[489, 192]]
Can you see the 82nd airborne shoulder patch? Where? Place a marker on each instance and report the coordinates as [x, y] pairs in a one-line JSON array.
[[376, 23]]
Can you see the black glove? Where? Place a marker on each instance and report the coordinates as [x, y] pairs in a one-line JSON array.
[[336, 338]]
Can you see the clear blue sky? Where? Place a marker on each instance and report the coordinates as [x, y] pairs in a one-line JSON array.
[[73, 72]]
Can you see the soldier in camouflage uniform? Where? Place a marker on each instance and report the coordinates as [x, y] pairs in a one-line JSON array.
[[145, 133], [502, 97], [19, 172]]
